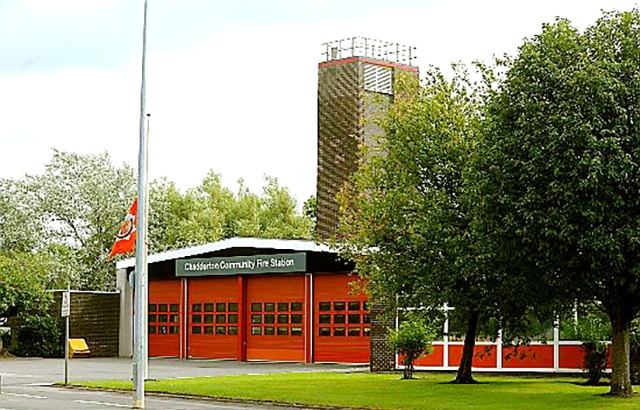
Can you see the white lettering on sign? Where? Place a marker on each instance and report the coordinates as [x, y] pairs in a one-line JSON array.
[[66, 304]]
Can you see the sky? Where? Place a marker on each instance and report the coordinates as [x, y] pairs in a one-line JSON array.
[[231, 84]]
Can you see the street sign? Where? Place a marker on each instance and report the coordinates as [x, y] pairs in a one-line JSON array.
[[66, 304]]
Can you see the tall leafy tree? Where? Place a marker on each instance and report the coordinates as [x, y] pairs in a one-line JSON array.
[[21, 226], [211, 212], [407, 217], [81, 199], [561, 167]]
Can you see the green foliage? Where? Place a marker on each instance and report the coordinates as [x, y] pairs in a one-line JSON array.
[[81, 198], [24, 278], [310, 210], [593, 329], [39, 336], [211, 212], [412, 341], [560, 168]]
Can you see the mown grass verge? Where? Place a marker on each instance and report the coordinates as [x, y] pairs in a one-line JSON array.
[[387, 391]]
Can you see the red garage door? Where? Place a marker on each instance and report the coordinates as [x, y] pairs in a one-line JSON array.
[[213, 317], [342, 324], [165, 318], [276, 318]]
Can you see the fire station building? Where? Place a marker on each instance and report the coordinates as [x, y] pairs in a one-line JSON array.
[[250, 299]]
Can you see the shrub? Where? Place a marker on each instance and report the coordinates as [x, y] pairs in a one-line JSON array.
[[412, 340], [39, 336]]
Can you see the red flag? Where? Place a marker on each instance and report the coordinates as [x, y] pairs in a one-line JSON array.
[[126, 237]]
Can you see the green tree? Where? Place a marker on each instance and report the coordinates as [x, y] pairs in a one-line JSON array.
[[406, 220], [561, 168], [81, 199], [21, 226], [310, 210], [211, 212], [412, 340]]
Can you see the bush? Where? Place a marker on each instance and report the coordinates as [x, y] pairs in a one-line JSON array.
[[412, 340], [39, 336], [593, 330]]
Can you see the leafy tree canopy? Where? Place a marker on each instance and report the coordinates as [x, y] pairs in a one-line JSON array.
[[561, 168]]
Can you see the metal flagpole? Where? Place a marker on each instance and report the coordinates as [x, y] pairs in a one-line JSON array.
[[140, 289]]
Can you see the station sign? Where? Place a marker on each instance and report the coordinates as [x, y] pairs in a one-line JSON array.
[[234, 265]]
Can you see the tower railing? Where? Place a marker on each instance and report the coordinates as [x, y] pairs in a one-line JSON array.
[[368, 48]]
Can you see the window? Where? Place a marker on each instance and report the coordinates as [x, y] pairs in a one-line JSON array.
[[354, 331], [339, 319], [196, 307], [338, 305], [233, 307], [221, 319], [196, 330], [269, 319], [232, 330], [256, 319], [233, 318], [283, 319], [325, 306], [256, 330], [152, 307], [152, 330], [174, 307], [366, 331], [283, 331], [163, 318], [208, 318], [339, 331], [296, 331], [174, 318], [163, 307], [269, 307], [354, 305], [208, 330], [283, 307], [256, 307], [208, 307], [325, 319], [221, 330], [162, 330], [221, 307], [152, 318], [296, 319], [196, 318], [296, 306], [354, 318], [269, 330], [325, 331]]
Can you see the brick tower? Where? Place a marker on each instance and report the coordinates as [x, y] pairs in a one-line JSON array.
[[355, 81]]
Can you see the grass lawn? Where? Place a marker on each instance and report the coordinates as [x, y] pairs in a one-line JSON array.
[[387, 391]]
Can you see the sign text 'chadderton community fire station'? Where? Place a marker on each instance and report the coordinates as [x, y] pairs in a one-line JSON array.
[[230, 265]]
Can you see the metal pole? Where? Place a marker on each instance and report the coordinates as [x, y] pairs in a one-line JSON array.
[[66, 343], [140, 340]]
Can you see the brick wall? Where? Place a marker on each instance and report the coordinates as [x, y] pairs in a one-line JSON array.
[[382, 356], [95, 317]]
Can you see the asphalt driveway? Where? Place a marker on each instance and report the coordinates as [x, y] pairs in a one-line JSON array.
[[16, 371]]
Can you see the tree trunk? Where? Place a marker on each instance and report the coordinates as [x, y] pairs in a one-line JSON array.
[[620, 375], [464, 375]]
